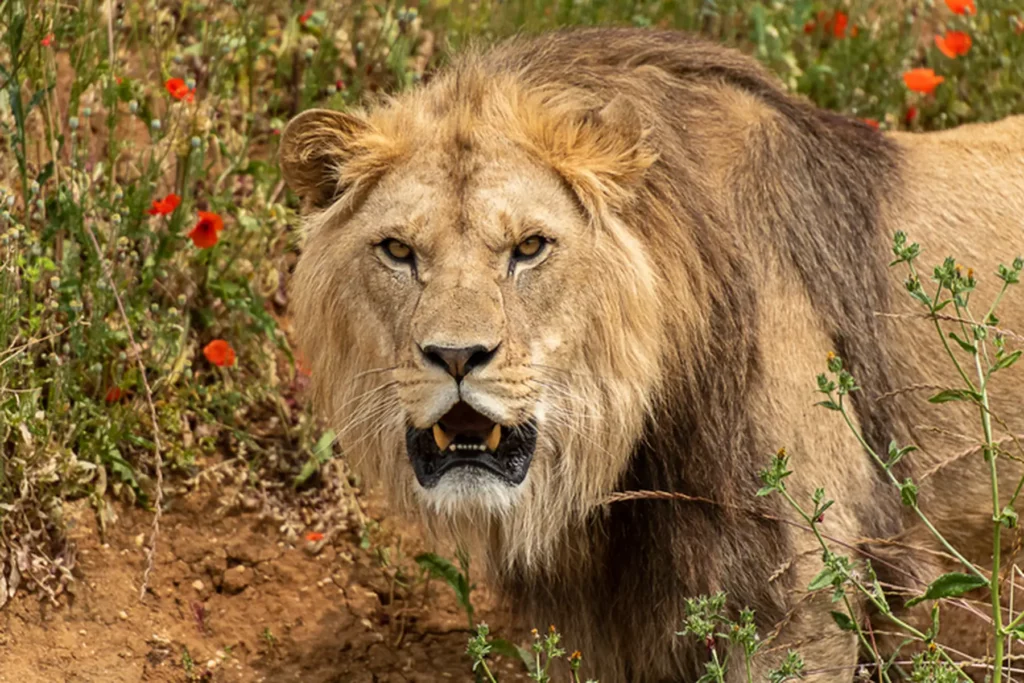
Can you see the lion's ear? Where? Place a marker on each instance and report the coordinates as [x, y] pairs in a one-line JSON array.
[[315, 147], [608, 156]]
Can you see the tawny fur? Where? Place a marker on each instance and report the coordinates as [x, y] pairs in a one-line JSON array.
[[715, 238]]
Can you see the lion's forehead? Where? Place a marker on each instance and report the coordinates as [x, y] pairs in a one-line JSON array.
[[496, 200]]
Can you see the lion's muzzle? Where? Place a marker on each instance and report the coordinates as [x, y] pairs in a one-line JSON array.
[[464, 438]]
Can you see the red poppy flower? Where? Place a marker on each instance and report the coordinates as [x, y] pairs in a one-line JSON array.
[[962, 6], [220, 353], [837, 25], [922, 80], [47, 41], [179, 90], [910, 116], [314, 536], [165, 206], [305, 16], [954, 43], [872, 122], [204, 234], [114, 395]]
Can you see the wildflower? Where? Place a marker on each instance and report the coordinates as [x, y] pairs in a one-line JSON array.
[[922, 80], [114, 395], [47, 41], [305, 16], [781, 453], [836, 24], [204, 234], [314, 537], [962, 6], [165, 206], [911, 115], [179, 90], [872, 122], [953, 44], [220, 353]]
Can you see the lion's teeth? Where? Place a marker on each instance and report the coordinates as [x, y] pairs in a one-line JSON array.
[[441, 438], [495, 438]]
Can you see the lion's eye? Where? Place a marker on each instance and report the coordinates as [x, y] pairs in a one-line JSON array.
[[529, 248], [398, 251]]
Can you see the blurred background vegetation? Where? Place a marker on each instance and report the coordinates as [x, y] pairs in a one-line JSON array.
[[146, 237]]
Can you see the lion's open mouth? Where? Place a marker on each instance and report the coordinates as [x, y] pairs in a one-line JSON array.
[[465, 438]]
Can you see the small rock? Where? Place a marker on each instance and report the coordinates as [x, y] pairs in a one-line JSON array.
[[140, 539], [236, 580], [82, 632], [198, 585], [122, 615]]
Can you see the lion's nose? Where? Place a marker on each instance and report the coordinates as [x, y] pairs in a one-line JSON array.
[[458, 361]]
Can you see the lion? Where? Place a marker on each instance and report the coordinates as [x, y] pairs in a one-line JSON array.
[[599, 261]]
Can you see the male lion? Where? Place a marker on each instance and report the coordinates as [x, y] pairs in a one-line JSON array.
[[610, 260]]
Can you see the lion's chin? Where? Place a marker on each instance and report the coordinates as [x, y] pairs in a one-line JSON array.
[[470, 491]]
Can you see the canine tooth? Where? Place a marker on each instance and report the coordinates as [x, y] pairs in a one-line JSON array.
[[494, 439], [440, 438]]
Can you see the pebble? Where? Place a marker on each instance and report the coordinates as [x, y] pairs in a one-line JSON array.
[[122, 615], [198, 585]]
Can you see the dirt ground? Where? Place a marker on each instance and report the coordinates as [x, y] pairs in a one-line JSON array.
[[231, 600]]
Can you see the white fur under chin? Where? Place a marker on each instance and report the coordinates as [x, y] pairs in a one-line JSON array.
[[470, 490]]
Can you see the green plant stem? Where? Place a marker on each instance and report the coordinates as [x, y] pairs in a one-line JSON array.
[[997, 526], [938, 328], [917, 510], [487, 670]]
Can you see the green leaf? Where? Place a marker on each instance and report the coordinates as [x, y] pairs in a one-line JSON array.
[[449, 573], [822, 580], [508, 649], [948, 395], [1007, 360], [323, 451], [843, 621], [830, 404], [968, 347], [950, 585]]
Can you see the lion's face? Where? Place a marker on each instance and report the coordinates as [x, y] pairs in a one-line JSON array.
[[470, 290], [477, 339]]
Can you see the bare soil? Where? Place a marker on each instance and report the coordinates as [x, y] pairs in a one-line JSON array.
[[230, 599]]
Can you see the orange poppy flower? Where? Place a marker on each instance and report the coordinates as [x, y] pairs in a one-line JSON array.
[[962, 6], [165, 206], [220, 353], [872, 122], [114, 395], [179, 90], [922, 80], [47, 41], [314, 536], [204, 234], [953, 43]]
